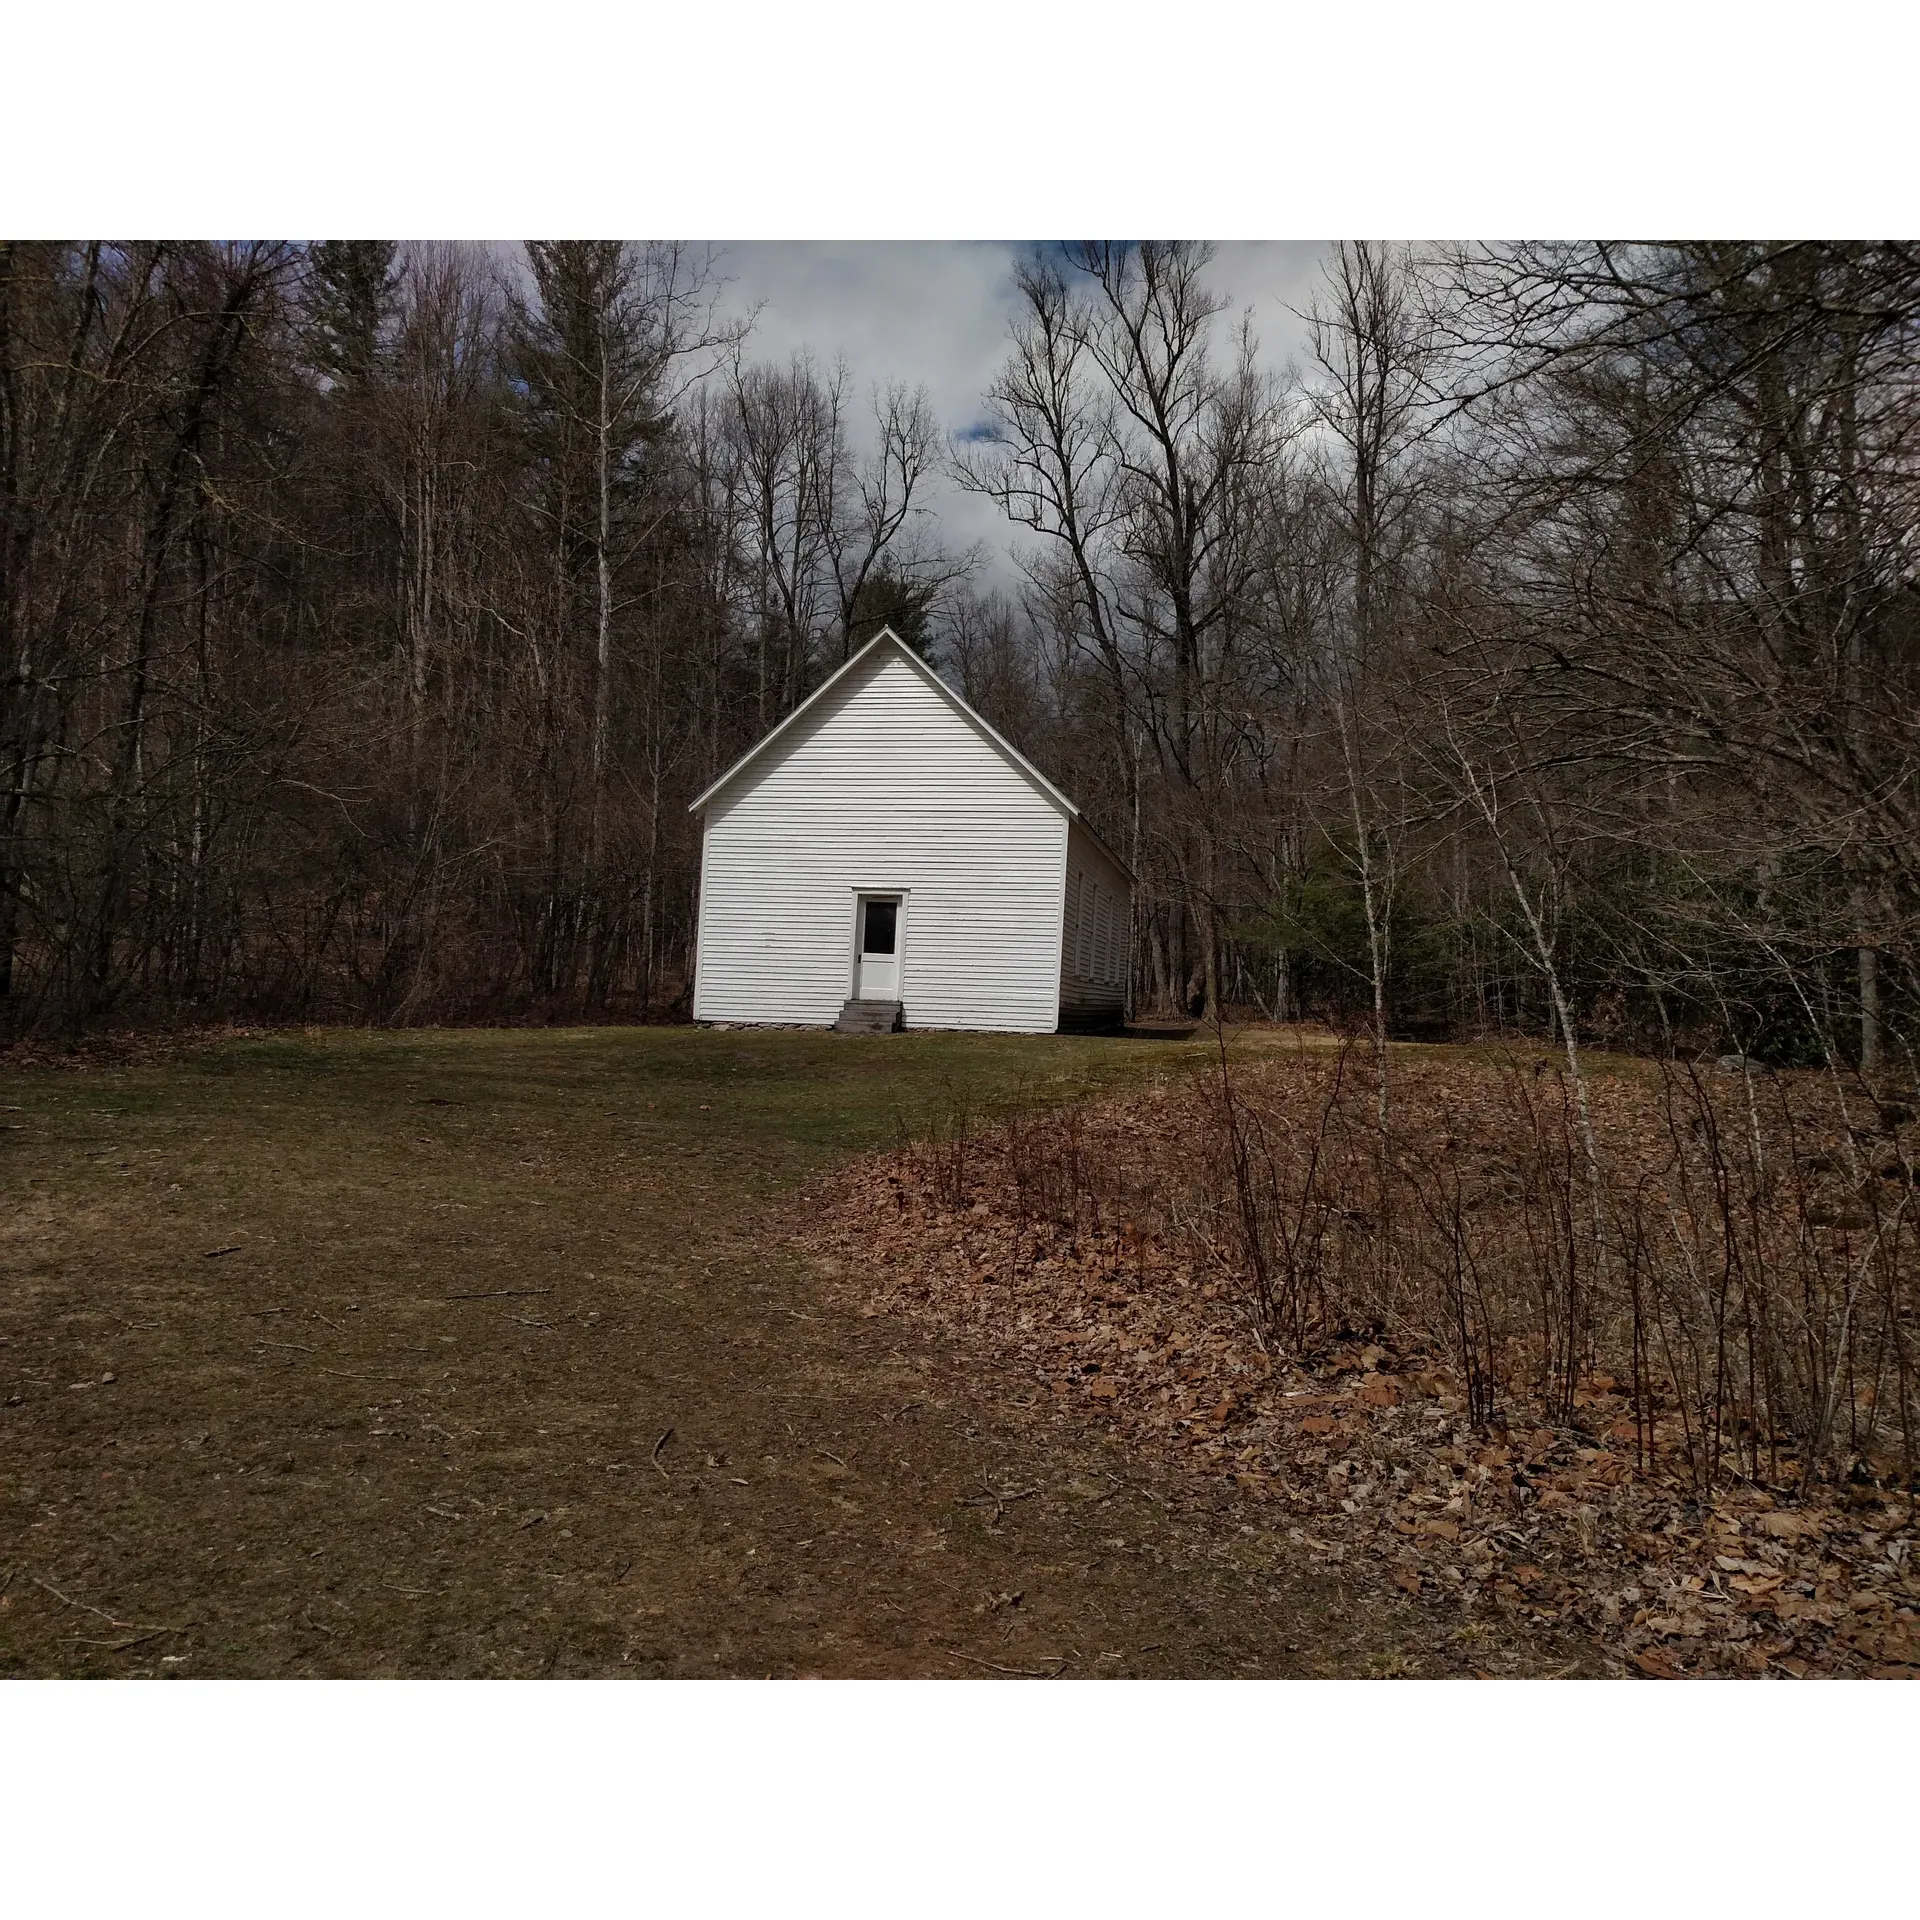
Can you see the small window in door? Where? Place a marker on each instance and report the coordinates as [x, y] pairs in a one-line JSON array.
[[880, 926]]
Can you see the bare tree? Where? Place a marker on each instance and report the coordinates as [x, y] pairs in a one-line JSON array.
[[1548, 664], [1149, 469], [1371, 401]]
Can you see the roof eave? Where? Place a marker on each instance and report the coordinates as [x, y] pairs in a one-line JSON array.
[[887, 636], [1019, 760], [753, 753]]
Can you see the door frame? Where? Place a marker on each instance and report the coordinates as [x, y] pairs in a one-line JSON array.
[[860, 895]]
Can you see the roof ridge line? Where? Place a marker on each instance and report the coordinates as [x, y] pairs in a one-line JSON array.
[[978, 721]]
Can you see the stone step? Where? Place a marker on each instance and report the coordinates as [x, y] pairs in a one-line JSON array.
[[869, 1016]]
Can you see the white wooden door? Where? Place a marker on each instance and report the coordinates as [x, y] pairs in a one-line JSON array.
[[877, 976]]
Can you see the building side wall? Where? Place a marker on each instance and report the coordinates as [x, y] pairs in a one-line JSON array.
[[1096, 936], [885, 790]]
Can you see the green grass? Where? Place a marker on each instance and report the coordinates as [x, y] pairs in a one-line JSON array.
[[795, 1099], [762, 1108]]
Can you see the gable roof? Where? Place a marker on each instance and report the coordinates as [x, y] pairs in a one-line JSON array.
[[886, 637]]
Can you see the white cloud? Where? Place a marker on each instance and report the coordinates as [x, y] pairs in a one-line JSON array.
[[926, 312], [935, 314]]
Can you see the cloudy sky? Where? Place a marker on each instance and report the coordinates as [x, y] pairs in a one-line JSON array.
[[935, 314]]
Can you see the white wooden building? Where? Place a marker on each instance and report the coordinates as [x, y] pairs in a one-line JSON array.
[[884, 858]]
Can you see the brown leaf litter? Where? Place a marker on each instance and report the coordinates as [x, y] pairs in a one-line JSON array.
[[1362, 1452]]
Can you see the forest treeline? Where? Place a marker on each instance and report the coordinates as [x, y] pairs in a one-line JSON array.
[[1538, 655]]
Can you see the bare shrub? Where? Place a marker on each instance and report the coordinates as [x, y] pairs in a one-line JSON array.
[[1747, 1285]]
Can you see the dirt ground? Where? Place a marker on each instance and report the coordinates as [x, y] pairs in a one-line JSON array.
[[483, 1353]]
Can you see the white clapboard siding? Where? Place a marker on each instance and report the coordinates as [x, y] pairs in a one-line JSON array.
[[882, 787], [1096, 941]]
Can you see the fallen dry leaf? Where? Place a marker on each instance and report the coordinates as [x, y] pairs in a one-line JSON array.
[[1365, 1444]]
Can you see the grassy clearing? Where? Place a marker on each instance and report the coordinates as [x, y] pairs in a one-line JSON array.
[[488, 1352], [482, 1352], [331, 1153]]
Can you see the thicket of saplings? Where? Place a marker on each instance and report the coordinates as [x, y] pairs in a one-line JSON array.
[[1713, 1266]]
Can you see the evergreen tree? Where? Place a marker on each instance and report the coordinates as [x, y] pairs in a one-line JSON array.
[[888, 599], [352, 292]]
